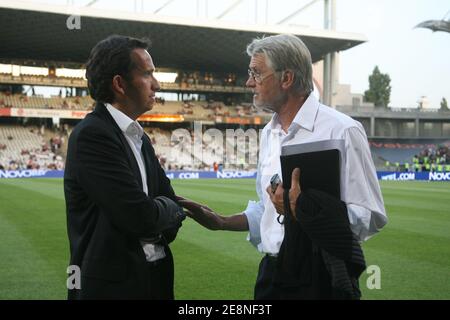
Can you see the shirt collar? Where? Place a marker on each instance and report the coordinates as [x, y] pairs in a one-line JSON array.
[[126, 124], [304, 118]]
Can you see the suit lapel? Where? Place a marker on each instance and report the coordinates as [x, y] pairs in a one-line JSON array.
[[131, 159], [100, 108], [146, 152]]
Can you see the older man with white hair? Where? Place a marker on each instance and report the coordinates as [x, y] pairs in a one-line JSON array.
[[299, 263]]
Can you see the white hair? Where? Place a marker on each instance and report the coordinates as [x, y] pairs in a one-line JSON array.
[[286, 52]]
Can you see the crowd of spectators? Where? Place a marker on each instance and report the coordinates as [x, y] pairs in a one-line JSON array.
[[39, 158], [432, 158], [9, 100], [48, 155], [186, 79]]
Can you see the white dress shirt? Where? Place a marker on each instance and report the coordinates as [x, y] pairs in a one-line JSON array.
[[360, 188], [133, 133]]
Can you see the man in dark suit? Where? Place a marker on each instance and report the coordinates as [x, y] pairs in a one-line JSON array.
[[121, 209]]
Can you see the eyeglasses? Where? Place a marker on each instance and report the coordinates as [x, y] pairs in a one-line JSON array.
[[257, 77]]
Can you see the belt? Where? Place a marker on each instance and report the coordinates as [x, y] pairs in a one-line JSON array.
[[153, 240]]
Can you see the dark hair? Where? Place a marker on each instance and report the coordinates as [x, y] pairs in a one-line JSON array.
[[110, 57]]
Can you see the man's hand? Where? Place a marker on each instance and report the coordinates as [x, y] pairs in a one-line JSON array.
[[294, 192], [277, 198], [201, 213]]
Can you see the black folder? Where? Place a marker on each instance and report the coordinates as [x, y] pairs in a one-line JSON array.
[[319, 170]]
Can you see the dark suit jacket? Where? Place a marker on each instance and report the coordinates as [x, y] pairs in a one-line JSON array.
[[108, 213], [320, 257]]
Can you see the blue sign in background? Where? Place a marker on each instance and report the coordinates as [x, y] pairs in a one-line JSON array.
[[424, 175], [210, 174], [12, 174], [382, 175]]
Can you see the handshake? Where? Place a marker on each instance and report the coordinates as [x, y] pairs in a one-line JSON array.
[[202, 214]]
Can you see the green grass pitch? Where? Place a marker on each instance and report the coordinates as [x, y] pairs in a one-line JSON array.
[[412, 252]]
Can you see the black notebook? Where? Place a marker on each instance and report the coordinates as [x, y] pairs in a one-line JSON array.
[[319, 163]]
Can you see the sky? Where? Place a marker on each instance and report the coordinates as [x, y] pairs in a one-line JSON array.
[[417, 60]]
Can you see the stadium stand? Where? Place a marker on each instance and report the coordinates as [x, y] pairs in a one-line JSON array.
[[31, 148], [39, 102], [176, 152], [217, 85], [411, 156], [173, 154], [177, 155], [199, 109]]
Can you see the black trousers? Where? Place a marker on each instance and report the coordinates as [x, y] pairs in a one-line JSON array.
[[160, 280], [155, 283], [265, 289]]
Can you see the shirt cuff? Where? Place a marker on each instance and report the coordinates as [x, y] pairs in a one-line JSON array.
[[359, 218], [253, 214]]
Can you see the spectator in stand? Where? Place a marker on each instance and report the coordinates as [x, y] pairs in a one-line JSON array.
[[13, 165], [407, 166], [51, 166]]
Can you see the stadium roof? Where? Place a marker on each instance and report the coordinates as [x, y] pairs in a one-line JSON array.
[[435, 25], [33, 32]]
